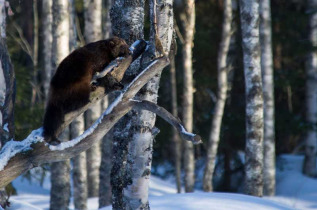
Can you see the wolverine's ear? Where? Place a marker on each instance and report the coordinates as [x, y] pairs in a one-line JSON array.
[[112, 44]]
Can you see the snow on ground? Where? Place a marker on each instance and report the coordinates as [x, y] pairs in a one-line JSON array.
[[294, 191]]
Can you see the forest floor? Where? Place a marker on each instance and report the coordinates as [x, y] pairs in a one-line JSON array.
[[294, 191]]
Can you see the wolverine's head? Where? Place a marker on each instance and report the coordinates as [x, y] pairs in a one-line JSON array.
[[119, 48]]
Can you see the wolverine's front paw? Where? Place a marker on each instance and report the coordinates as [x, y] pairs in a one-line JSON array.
[[53, 141], [118, 86], [119, 60], [93, 87]]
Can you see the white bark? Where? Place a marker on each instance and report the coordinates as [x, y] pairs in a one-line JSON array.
[[47, 44], [249, 14], [309, 167], [60, 179], [268, 98], [188, 22], [93, 29], [221, 96]]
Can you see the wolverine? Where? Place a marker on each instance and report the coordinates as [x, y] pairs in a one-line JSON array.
[[70, 86]]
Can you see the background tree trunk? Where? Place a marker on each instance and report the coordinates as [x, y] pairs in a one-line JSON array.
[[60, 179], [309, 167], [188, 22], [221, 99], [249, 14], [77, 127], [177, 144], [7, 93], [268, 98], [79, 167], [47, 44], [106, 144], [93, 29]]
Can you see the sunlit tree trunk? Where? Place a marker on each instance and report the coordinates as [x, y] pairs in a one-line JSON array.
[[106, 144], [188, 22], [268, 98], [7, 93], [221, 97], [93, 30], [47, 44], [177, 144], [60, 178], [249, 15], [309, 167]]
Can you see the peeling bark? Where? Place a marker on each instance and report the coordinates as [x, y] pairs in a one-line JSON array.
[[214, 136], [268, 98], [249, 15]]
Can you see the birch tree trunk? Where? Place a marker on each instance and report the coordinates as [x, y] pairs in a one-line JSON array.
[[214, 136], [268, 98], [77, 127], [60, 179], [93, 29], [177, 147], [47, 44], [309, 167], [106, 144], [249, 15], [7, 93], [129, 29], [188, 23], [130, 173]]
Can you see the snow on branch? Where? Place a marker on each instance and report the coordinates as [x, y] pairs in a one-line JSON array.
[[18, 157]]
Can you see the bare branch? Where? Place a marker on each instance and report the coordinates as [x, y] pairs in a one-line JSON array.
[[168, 117]]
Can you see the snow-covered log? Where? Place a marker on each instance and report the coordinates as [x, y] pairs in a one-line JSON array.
[[17, 157]]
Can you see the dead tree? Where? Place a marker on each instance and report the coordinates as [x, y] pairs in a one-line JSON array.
[[18, 157]]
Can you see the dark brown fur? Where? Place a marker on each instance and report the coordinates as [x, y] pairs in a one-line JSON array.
[[70, 86]]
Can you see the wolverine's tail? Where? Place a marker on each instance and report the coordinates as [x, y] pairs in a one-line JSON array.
[[53, 119]]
